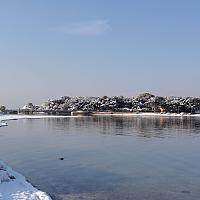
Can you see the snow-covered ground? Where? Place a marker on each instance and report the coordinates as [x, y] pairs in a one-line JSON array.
[[149, 114], [14, 117], [13, 186], [3, 124]]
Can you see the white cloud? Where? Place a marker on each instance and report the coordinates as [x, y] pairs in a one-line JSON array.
[[92, 27]]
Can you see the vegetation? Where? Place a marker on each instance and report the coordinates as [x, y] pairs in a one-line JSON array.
[[2, 109]]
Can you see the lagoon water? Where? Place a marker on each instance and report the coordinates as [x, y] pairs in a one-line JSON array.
[[107, 158]]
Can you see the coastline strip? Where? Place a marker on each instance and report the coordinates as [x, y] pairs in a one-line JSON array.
[[16, 117], [13, 186]]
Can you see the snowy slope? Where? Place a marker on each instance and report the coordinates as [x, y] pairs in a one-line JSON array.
[[13, 186]]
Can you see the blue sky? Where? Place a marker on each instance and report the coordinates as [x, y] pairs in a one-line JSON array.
[[98, 47]]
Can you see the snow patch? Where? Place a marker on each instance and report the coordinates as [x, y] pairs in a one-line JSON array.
[[13, 186], [15, 117]]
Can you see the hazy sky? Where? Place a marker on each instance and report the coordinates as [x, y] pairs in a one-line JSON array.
[[54, 48]]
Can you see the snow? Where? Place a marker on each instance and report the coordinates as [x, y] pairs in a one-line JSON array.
[[147, 114], [15, 117], [3, 124], [13, 186]]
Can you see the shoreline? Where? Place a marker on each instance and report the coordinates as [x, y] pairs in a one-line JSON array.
[[147, 114], [15, 186], [8, 117]]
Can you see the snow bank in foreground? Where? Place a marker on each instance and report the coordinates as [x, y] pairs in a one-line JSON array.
[[13, 186]]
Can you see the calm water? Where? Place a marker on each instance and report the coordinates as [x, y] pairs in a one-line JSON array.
[[136, 158]]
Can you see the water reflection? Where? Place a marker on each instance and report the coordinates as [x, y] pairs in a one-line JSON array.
[[126, 126], [107, 158]]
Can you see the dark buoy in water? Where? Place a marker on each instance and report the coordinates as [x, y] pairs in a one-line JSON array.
[[61, 158]]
